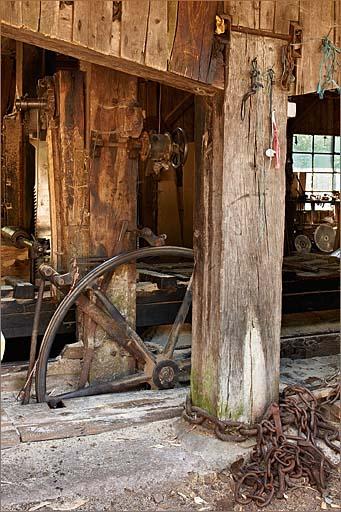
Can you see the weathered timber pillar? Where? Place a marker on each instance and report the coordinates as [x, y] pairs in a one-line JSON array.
[[68, 172], [113, 119], [238, 240]]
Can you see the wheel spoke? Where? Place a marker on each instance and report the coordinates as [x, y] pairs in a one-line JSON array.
[[99, 389], [113, 323], [179, 321], [116, 326]]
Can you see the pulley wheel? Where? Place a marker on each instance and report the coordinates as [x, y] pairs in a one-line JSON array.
[[165, 374], [324, 237], [179, 157], [302, 244]]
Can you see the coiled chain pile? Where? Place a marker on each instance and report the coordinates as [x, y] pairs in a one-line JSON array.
[[286, 450]]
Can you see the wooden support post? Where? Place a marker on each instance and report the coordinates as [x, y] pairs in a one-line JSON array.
[[113, 118], [68, 172], [238, 240]]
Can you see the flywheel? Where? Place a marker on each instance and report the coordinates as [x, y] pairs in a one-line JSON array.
[[302, 244], [324, 237]]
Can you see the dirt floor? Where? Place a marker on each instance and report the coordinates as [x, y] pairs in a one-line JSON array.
[[166, 465], [152, 466]]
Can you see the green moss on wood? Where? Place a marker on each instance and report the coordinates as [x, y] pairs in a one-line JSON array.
[[203, 393]]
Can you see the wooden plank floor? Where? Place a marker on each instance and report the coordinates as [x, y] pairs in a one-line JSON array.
[[86, 416], [9, 434]]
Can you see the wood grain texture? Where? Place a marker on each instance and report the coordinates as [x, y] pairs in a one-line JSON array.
[[316, 18], [172, 15], [65, 21], [9, 434], [134, 29], [337, 33], [54, 193], [14, 262], [157, 45], [91, 416], [74, 171], [81, 17], [12, 175], [109, 61], [68, 173], [100, 25], [49, 17], [285, 12], [115, 38], [267, 15], [11, 12], [31, 14], [193, 39], [239, 233], [244, 13], [113, 178]]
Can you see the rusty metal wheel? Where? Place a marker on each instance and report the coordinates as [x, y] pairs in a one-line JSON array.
[[158, 370]]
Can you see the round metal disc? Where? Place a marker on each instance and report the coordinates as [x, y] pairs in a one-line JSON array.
[[324, 237], [302, 244], [165, 374]]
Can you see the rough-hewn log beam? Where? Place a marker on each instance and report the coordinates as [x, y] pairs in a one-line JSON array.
[[113, 118], [238, 238], [109, 61]]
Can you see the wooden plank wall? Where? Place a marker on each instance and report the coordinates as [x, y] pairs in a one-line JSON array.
[[175, 36], [164, 35], [317, 18]]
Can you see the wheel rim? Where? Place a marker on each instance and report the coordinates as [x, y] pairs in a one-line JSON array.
[[86, 281]]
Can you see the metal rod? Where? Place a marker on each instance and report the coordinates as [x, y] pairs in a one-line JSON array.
[[99, 389], [179, 321], [257, 32], [33, 348], [25, 104]]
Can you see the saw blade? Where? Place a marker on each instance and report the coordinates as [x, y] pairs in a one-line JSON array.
[[302, 244], [324, 237]]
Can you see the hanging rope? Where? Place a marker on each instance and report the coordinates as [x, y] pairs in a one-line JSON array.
[[328, 67]]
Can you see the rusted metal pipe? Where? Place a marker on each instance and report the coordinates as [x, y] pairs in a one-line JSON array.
[[25, 397], [24, 104], [99, 389]]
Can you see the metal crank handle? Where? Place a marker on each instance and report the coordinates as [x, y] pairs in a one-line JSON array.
[[50, 274]]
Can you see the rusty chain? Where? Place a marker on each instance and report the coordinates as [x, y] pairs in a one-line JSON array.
[[286, 449]]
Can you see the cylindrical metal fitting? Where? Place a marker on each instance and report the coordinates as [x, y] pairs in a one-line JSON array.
[[16, 236], [25, 104]]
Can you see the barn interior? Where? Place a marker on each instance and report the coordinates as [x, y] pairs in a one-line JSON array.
[[170, 250], [164, 203]]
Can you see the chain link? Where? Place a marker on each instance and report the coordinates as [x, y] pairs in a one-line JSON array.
[[279, 459]]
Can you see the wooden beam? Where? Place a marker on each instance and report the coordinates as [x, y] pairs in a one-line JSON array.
[[238, 237], [12, 175], [109, 61], [19, 66], [193, 40], [113, 117], [68, 173]]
